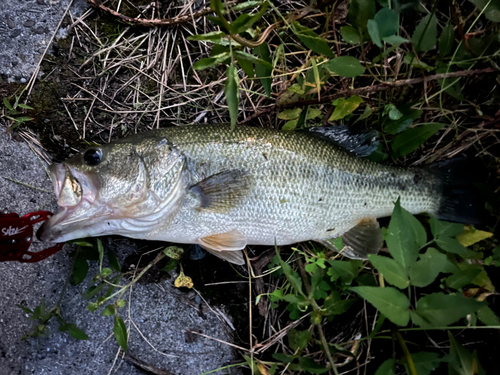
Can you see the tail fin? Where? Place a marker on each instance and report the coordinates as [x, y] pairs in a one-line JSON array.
[[462, 201]]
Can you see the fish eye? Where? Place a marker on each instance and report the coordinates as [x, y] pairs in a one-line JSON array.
[[92, 156]]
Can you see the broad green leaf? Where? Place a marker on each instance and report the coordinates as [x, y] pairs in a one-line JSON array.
[[345, 66], [113, 261], [171, 264], [313, 113], [214, 36], [425, 35], [395, 40], [252, 58], [367, 113], [120, 332], [231, 89], [492, 11], [385, 24], [245, 21], [335, 305], [7, 104], [386, 368], [347, 271], [389, 301], [471, 236], [282, 357], [425, 362], [25, 309], [290, 125], [173, 252], [409, 140], [440, 228], [373, 32], [290, 114], [405, 236], [247, 67], [439, 309], [460, 360], [360, 11], [392, 271], [80, 270], [263, 71], [394, 113], [298, 339], [108, 311], [488, 317], [345, 107], [452, 245], [311, 367], [77, 333], [312, 40], [446, 40], [350, 34], [425, 271], [397, 126], [23, 119], [461, 278], [211, 62]]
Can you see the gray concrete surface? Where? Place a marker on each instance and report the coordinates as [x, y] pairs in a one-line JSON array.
[[26, 27], [160, 311]]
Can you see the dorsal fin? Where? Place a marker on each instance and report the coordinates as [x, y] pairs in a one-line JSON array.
[[356, 143]]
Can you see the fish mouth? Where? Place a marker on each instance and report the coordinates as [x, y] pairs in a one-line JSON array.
[[76, 197]]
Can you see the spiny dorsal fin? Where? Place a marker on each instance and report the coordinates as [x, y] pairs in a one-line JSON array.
[[357, 143], [222, 191], [226, 246], [362, 239]]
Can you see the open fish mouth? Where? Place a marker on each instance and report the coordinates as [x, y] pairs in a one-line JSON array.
[[75, 193]]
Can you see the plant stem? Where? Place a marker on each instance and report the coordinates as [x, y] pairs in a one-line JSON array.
[[406, 352]]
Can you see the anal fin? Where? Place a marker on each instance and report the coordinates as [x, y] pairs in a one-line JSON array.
[[361, 240], [227, 246]]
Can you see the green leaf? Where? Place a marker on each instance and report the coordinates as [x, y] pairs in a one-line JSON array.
[[350, 34], [7, 104], [23, 119], [80, 270], [173, 252], [313, 113], [367, 113], [214, 36], [106, 272], [347, 271], [461, 278], [24, 106], [310, 366], [451, 86], [231, 90], [312, 40], [488, 317], [25, 309], [171, 264], [425, 35], [397, 126], [246, 5], [452, 245], [263, 71], [120, 332], [282, 357], [389, 301], [395, 40], [290, 125], [345, 66], [385, 24], [374, 33], [345, 107], [211, 62], [113, 261], [394, 113], [425, 271], [439, 309], [409, 140], [247, 67], [492, 11], [392, 271], [446, 40], [290, 114], [410, 58], [425, 362], [75, 332], [441, 228], [108, 311], [405, 236], [460, 360], [292, 276], [298, 339], [335, 305], [386, 368], [360, 11]]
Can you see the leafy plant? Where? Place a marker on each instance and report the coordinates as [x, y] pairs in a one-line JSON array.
[[12, 112]]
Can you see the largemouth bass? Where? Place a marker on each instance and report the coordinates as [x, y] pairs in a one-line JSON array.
[[224, 189]]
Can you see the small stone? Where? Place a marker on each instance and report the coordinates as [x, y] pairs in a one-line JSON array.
[[11, 23], [15, 33], [29, 23], [40, 2], [23, 80], [41, 30]]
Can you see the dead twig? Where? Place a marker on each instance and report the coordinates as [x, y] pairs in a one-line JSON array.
[[370, 90]]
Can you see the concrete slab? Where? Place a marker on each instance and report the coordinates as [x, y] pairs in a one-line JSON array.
[[161, 312]]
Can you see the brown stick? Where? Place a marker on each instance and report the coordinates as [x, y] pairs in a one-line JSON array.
[[370, 89], [149, 23]]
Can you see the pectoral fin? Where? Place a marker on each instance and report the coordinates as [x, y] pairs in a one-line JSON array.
[[222, 191], [226, 246], [359, 241]]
